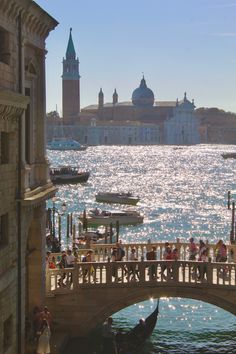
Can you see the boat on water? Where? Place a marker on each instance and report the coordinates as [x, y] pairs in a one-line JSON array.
[[99, 236], [120, 198], [229, 155], [131, 341], [103, 217], [68, 174], [65, 144]]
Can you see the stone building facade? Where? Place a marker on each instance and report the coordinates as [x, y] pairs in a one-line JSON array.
[[24, 184], [174, 120]]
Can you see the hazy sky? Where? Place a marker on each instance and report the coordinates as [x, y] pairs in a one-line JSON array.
[[179, 45]]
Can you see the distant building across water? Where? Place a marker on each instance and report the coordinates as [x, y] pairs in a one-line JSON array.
[[142, 121]]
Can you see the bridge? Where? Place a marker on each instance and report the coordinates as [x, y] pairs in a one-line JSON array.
[[90, 292]]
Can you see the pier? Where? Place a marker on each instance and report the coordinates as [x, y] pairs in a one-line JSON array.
[[93, 291]]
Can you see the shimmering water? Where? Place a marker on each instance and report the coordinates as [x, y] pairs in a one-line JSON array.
[[183, 192]]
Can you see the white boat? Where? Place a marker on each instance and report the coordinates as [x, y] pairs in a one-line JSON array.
[[68, 174], [65, 144], [104, 217], [99, 236], [120, 198]]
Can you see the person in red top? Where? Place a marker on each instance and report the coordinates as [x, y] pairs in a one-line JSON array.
[[167, 255], [221, 252], [192, 249]]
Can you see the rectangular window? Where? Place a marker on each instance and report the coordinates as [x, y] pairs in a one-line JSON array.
[[4, 230], [4, 148], [4, 47], [7, 333]]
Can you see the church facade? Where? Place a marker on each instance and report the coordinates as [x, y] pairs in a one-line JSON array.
[[141, 121]]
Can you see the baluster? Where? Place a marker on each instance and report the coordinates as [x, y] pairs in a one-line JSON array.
[[209, 273], [108, 268]]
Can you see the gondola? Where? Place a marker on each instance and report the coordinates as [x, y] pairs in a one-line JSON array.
[[131, 341]]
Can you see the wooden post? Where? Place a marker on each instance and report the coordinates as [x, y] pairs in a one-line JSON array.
[[117, 230], [231, 237], [85, 221], [106, 234], [79, 229], [59, 228], [49, 218], [68, 226], [232, 234], [73, 232], [71, 223], [53, 221], [229, 197], [111, 232]]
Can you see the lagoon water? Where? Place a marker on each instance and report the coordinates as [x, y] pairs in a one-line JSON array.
[[183, 193]]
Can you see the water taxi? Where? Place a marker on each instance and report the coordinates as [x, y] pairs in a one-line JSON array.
[[120, 198], [104, 217], [65, 144], [68, 174]]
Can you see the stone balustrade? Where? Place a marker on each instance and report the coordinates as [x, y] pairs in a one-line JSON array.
[[140, 273], [102, 252]]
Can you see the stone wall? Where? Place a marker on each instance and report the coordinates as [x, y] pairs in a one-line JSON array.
[[21, 204]]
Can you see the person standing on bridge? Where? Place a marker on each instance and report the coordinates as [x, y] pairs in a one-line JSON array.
[[192, 249], [151, 256], [108, 338]]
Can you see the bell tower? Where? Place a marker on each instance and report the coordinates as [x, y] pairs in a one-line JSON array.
[[70, 85]]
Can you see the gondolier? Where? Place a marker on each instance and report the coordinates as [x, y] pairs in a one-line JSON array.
[[134, 339]]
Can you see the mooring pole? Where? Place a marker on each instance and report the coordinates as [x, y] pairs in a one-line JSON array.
[[232, 233], [229, 197]]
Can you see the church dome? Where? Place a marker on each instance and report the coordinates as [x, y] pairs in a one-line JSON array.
[[143, 96]]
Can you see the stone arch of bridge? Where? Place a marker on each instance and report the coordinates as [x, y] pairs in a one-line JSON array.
[[83, 310], [119, 299]]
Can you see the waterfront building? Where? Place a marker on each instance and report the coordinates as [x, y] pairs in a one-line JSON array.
[[141, 121], [25, 184], [175, 120]]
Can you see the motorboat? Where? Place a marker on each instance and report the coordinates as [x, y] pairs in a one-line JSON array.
[[68, 174], [100, 236], [103, 217], [120, 198], [65, 144], [229, 155]]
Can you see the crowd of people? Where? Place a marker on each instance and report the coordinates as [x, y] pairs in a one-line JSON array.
[[196, 252]]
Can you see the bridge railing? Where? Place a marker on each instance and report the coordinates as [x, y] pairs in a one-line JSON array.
[[140, 273], [102, 252]]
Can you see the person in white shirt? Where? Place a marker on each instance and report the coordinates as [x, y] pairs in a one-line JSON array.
[[70, 259], [70, 262]]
